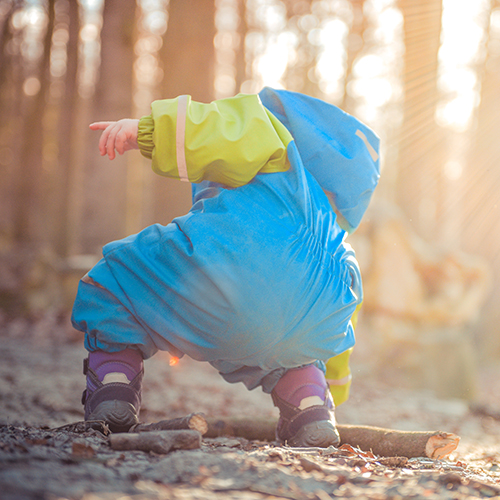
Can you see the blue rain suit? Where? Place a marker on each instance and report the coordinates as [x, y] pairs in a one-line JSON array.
[[254, 279]]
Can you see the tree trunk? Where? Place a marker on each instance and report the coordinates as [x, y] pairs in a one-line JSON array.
[[10, 91], [188, 60], [355, 45], [27, 205], [240, 59], [5, 36], [66, 133], [105, 181], [299, 76], [187, 54], [421, 139], [481, 224]]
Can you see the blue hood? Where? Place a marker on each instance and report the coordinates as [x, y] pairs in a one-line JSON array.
[[338, 150]]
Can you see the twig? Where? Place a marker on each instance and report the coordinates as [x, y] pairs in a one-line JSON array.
[[194, 421], [160, 442], [83, 426]]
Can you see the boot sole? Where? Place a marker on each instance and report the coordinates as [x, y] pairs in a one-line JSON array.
[[119, 415], [321, 434]]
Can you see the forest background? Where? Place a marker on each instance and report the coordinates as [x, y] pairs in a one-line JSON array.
[[424, 74]]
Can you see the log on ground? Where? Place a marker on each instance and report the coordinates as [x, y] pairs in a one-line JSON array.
[[390, 443], [194, 421], [161, 442], [380, 441]]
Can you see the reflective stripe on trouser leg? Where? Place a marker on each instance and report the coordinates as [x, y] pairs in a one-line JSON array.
[[338, 373], [338, 377]]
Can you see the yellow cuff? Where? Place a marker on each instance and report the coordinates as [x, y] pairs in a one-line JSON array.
[[145, 136]]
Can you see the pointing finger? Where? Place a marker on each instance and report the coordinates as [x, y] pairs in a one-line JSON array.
[[99, 125]]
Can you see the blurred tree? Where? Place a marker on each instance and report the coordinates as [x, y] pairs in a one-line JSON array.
[[300, 76], [66, 129], [307, 53], [6, 13], [105, 182], [240, 60], [11, 78], [355, 45], [28, 213], [480, 197], [421, 139], [188, 54], [188, 60], [483, 177]]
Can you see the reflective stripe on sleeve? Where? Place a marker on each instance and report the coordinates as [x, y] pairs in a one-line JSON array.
[[340, 381], [370, 148], [182, 104]]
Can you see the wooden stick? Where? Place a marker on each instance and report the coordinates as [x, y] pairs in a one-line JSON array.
[[194, 421], [381, 442], [160, 442], [260, 429], [390, 443]]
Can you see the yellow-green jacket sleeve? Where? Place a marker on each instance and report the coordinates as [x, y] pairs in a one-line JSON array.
[[227, 141]]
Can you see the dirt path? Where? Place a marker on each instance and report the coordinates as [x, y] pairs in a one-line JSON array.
[[40, 389]]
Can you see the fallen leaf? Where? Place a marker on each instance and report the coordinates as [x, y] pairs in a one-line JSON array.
[[82, 450]]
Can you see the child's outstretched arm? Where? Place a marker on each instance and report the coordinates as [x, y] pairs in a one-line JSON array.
[[120, 136], [228, 141]]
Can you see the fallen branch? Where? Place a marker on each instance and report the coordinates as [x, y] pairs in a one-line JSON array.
[[194, 421], [260, 429], [381, 442], [83, 426], [160, 442], [390, 443]]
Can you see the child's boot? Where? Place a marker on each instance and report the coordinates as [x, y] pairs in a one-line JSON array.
[[114, 383], [306, 409]]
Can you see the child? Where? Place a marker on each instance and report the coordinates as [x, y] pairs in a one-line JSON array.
[[256, 279]]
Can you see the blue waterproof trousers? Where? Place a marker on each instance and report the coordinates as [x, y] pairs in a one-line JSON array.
[[254, 280]]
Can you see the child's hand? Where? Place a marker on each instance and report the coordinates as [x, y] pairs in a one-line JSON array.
[[120, 135]]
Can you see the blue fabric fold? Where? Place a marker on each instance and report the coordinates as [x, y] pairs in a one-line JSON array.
[[336, 148]]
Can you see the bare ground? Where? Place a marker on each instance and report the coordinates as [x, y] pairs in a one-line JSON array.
[[40, 388]]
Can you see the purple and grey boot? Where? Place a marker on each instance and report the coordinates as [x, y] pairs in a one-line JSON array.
[[114, 383], [306, 407]]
